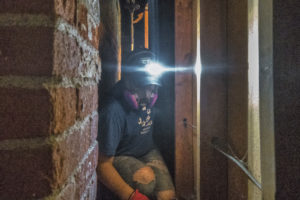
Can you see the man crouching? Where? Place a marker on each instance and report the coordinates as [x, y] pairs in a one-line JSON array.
[[130, 165]]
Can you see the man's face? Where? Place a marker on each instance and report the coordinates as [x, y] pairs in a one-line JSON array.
[[145, 94]]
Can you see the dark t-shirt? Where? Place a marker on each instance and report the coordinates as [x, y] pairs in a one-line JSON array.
[[123, 130]]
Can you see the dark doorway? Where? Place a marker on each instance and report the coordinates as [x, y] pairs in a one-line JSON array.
[[161, 43]]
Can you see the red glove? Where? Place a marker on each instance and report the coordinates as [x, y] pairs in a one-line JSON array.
[[138, 196]]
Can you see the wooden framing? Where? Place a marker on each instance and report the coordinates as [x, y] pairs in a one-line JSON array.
[[200, 170], [266, 98], [184, 164]]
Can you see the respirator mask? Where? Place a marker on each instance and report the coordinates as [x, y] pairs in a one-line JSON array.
[[140, 72]]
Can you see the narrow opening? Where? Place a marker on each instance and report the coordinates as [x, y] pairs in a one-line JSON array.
[[154, 30]]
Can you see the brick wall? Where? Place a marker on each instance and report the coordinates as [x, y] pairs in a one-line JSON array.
[[49, 70]]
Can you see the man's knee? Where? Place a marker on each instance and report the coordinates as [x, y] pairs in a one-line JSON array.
[[144, 175], [145, 180]]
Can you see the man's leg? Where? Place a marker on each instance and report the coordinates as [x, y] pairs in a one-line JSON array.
[[164, 188], [136, 173]]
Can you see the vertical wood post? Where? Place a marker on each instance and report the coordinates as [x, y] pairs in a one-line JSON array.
[[184, 164], [266, 98]]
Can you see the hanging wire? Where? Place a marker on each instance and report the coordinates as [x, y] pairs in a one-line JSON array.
[[222, 147], [225, 148]]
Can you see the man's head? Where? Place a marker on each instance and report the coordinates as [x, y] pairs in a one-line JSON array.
[[140, 84]]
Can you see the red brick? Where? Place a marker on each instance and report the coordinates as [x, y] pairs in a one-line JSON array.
[[94, 127], [30, 51], [82, 20], [66, 9], [91, 129], [24, 113], [36, 173], [83, 177], [27, 6], [27, 113], [70, 59], [68, 192], [25, 173], [48, 168], [69, 152], [26, 51], [67, 55], [91, 189], [95, 37], [64, 108], [84, 26], [87, 100], [40, 51]]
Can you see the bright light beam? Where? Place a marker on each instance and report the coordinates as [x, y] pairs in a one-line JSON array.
[[155, 69]]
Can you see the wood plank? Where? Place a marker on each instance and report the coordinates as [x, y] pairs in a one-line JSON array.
[[213, 108], [237, 62], [184, 167], [266, 98]]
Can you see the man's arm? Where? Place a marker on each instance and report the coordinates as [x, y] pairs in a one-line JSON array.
[[110, 177]]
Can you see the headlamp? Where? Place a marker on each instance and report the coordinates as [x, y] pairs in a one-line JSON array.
[[154, 69]]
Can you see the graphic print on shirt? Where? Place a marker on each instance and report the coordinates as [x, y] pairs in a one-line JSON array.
[[145, 121]]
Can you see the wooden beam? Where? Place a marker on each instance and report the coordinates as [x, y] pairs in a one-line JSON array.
[[266, 98], [213, 108], [184, 167], [237, 62]]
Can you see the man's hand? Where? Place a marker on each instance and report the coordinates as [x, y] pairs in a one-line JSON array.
[[138, 196]]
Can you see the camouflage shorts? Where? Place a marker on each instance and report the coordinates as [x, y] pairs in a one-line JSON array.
[[127, 166]]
